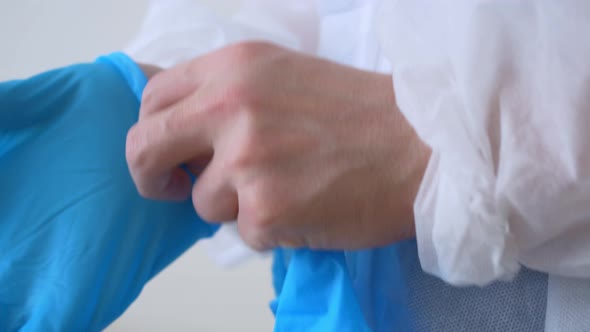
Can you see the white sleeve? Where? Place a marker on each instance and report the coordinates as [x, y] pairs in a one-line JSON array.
[[501, 92], [175, 31]]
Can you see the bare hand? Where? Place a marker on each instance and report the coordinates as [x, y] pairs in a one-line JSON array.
[[301, 151]]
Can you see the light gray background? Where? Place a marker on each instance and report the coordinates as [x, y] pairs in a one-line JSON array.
[[193, 294]]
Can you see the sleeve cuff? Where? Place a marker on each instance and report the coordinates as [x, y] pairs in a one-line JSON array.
[[463, 234]]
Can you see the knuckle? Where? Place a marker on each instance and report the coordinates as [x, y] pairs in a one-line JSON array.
[[263, 221], [150, 97], [221, 102], [262, 213], [254, 238], [176, 120], [249, 155], [253, 242], [218, 107], [249, 88], [191, 69], [202, 207], [247, 147], [138, 161], [242, 51], [247, 51], [230, 100], [181, 118], [264, 207]]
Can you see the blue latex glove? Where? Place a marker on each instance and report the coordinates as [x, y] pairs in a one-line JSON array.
[[317, 294], [77, 243]]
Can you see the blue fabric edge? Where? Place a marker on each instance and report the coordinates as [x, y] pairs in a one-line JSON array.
[[128, 69]]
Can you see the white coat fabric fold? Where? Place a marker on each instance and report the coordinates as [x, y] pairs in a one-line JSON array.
[[500, 90]]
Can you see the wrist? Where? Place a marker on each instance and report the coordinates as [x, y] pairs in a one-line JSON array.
[[409, 157], [417, 159]]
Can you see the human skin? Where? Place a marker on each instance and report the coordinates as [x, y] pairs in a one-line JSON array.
[[301, 151]]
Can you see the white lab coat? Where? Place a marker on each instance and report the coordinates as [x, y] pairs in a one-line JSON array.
[[499, 89]]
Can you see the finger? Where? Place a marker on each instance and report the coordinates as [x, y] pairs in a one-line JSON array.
[[256, 225], [256, 238], [168, 87], [214, 196], [158, 144]]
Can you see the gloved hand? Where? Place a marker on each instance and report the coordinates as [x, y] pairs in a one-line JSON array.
[[77, 242]]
